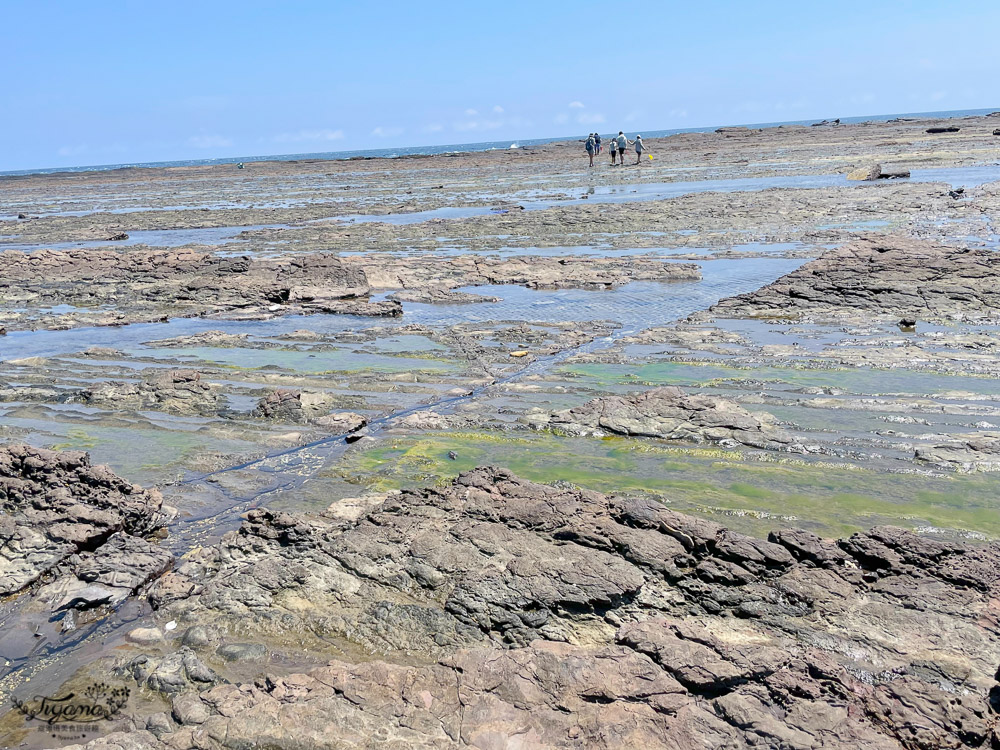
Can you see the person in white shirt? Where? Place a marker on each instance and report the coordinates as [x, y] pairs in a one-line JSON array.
[[623, 143]]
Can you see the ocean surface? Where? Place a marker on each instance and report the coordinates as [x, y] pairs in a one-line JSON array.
[[466, 147]]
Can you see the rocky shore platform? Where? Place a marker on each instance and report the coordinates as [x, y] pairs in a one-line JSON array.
[[496, 612], [496, 450]]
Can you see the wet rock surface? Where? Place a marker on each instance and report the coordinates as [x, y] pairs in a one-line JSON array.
[[439, 295], [292, 406], [570, 617], [538, 272], [115, 288], [361, 595], [976, 452], [181, 391], [79, 527], [184, 282], [671, 414], [883, 277]]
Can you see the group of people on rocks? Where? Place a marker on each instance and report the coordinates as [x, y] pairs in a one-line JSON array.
[[617, 146]]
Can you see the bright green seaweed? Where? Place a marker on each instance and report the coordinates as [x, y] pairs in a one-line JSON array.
[[832, 499]]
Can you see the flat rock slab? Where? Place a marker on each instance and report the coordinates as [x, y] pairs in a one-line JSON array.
[[971, 453], [890, 277], [671, 414]]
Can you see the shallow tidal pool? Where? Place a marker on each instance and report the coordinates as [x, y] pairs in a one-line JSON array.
[[749, 490]]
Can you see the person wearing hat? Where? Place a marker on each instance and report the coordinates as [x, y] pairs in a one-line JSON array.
[[590, 148], [638, 148]]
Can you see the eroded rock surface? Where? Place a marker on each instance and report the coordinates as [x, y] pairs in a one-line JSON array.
[[671, 414], [441, 296], [145, 282], [144, 285], [81, 523], [972, 453], [557, 617], [293, 406], [539, 272], [882, 276], [181, 391]]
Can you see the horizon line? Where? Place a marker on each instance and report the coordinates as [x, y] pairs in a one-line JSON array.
[[856, 119]]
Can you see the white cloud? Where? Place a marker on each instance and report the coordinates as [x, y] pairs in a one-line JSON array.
[[590, 119], [561, 119], [938, 96], [309, 135], [434, 127], [576, 105], [382, 132], [471, 112], [678, 112], [209, 141], [633, 115], [498, 109]]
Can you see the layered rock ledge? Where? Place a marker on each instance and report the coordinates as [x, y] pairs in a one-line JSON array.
[[77, 529], [671, 414], [116, 288], [509, 613], [882, 277]]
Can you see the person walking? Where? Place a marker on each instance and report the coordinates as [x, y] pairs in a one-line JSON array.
[[613, 148], [597, 143], [590, 148], [623, 143], [638, 148]]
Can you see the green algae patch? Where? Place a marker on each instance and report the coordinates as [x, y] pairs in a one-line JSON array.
[[752, 494], [859, 380], [143, 454], [77, 440]]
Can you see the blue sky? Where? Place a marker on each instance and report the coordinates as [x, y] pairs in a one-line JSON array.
[[110, 82]]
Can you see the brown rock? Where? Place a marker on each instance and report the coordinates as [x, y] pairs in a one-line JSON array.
[[884, 277]]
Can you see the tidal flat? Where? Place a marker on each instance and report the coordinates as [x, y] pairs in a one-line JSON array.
[[378, 422]]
